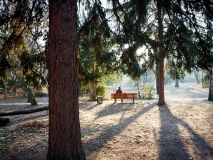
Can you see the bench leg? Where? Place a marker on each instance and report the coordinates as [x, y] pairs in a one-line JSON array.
[[115, 100], [133, 98], [121, 100]]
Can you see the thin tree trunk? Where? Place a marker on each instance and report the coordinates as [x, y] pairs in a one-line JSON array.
[[161, 100], [196, 76], [156, 70], [157, 77], [94, 91], [202, 80], [5, 91], [210, 98], [177, 79], [31, 97], [64, 126], [176, 82], [93, 83]]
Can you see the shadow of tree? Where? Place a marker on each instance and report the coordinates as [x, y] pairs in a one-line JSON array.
[[23, 118], [27, 119], [99, 141], [29, 153], [87, 105], [170, 143], [114, 109]]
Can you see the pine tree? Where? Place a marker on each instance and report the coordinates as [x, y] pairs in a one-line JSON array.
[[96, 58], [22, 26], [174, 19], [64, 125]]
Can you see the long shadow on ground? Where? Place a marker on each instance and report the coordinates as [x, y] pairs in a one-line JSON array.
[[112, 131], [170, 143], [114, 109]]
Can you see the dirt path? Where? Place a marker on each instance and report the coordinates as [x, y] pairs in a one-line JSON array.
[[182, 129]]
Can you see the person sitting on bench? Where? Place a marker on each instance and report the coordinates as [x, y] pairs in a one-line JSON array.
[[119, 91]]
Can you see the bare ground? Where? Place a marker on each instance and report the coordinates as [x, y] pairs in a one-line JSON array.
[[181, 129]]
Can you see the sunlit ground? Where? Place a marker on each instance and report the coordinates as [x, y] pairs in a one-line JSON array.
[[182, 129]]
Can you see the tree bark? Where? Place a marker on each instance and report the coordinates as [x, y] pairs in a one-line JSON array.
[[155, 49], [202, 80], [157, 77], [94, 87], [176, 82], [64, 126], [93, 83], [210, 98], [5, 91], [161, 100], [31, 97], [177, 79]]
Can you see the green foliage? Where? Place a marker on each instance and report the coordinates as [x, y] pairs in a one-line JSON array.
[[4, 66], [96, 58], [113, 78], [206, 81], [31, 97], [205, 58], [10, 84], [2, 84], [101, 90], [186, 43], [22, 57], [147, 91], [130, 63]]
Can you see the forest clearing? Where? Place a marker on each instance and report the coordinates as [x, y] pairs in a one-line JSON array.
[[181, 129], [60, 59]]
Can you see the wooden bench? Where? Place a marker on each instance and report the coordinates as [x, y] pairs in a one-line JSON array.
[[122, 96]]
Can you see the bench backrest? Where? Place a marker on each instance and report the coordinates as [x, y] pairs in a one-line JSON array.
[[123, 95]]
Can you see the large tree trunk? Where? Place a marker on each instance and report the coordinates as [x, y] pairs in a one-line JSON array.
[[161, 100], [64, 126], [210, 98]]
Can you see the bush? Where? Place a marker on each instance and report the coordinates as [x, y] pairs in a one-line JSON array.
[[205, 83], [101, 90], [41, 94], [147, 92]]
